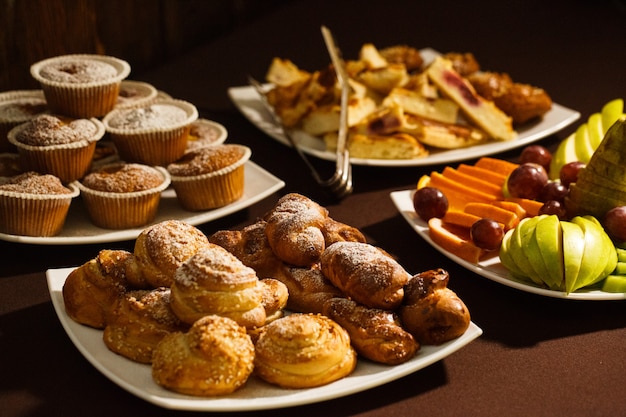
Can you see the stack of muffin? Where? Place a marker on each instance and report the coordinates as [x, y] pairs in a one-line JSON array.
[[116, 143]]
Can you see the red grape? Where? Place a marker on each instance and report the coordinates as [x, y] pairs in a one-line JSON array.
[[569, 172], [553, 190], [430, 202], [615, 223], [536, 154], [527, 180], [553, 207], [487, 234]]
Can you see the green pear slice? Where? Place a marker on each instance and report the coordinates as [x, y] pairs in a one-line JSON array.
[[573, 249], [505, 256], [549, 239], [516, 249], [595, 129], [612, 111], [582, 143], [595, 256]]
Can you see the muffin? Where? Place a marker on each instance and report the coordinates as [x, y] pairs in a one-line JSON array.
[[81, 85], [135, 94], [122, 196], [210, 177], [205, 132], [55, 145], [17, 107], [153, 135], [33, 204]]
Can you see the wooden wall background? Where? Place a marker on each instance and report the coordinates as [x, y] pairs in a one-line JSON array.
[[143, 32]]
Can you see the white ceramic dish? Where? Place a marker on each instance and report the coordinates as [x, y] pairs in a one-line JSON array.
[[247, 100], [491, 268], [78, 229], [255, 395]]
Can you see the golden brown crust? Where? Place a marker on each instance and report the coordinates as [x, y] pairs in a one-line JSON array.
[[90, 290], [431, 312], [293, 230], [161, 248], [215, 357], [274, 298], [303, 351], [308, 288], [523, 102], [410, 57], [214, 281], [138, 321], [464, 63], [365, 273], [375, 334]]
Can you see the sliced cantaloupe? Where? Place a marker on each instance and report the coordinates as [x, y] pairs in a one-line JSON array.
[[531, 206], [496, 165], [439, 180], [469, 181], [424, 181], [486, 175], [454, 239], [486, 210], [460, 218], [511, 206]]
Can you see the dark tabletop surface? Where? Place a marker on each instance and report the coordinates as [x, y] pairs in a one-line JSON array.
[[538, 356]]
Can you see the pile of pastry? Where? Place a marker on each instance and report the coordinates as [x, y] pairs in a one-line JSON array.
[[403, 107], [294, 299]]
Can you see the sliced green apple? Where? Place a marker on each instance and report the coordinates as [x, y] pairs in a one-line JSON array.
[[573, 249], [614, 284], [565, 152], [549, 239], [516, 249], [596, 255], [596, 132], [505, 256]]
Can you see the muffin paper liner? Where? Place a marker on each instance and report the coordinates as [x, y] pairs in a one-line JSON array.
[[123, 210], [27, 214], [212, 190]]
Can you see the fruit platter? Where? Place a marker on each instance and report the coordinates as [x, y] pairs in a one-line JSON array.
[[552, 224]]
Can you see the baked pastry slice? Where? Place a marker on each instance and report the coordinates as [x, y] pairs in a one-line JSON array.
[[214, 281], [303, 351], [215, 357]]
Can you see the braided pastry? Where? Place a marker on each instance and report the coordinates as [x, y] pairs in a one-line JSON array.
[[303, 351], [375, 334], [214, 281], [431, 311], [215, 357], [294, 230], [365, 273]]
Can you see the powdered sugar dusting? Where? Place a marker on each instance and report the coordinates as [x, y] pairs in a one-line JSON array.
[[78, 71], [123, 178], [153, 116], [35, 183], [46, 130]]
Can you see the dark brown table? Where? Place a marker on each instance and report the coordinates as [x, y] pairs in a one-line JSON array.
[[538, 356]]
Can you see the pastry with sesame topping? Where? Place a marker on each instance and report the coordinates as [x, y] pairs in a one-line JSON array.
[[215, 357]]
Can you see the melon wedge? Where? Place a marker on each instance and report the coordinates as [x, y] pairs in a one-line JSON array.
[[454, 240], [496, 165]]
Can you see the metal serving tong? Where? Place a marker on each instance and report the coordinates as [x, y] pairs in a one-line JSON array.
[[340, 184]]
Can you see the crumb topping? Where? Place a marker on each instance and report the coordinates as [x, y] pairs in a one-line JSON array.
[[78, 71], [35, 183], [46, 130], [123, 178], [205, 160]]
